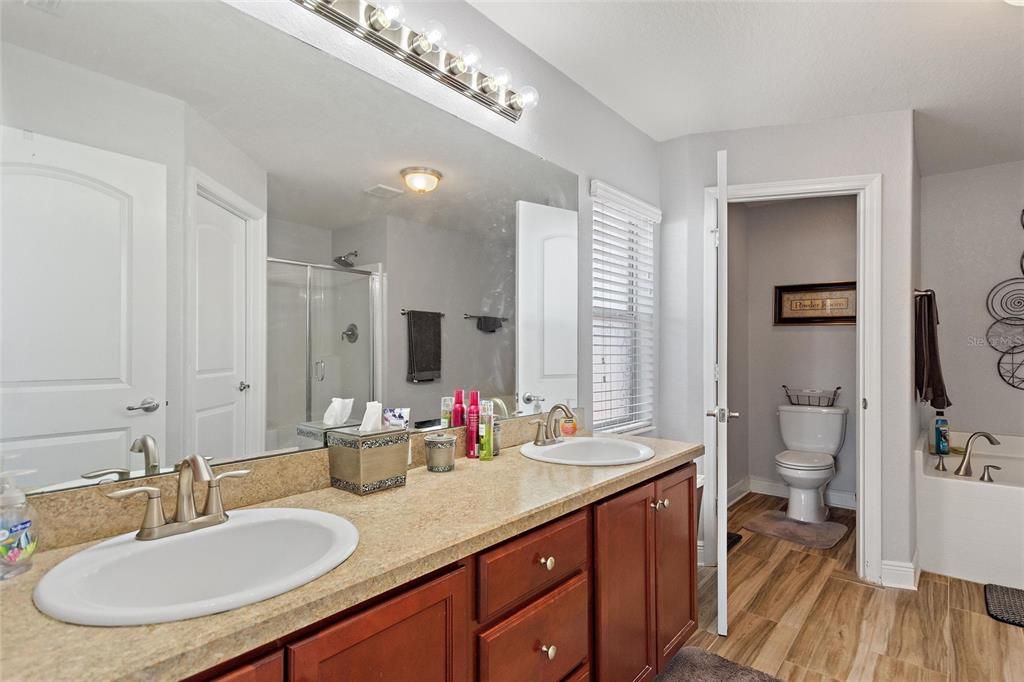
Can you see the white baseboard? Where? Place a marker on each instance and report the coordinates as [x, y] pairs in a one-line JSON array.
[[738, 490], [901, 574], [833, 498]]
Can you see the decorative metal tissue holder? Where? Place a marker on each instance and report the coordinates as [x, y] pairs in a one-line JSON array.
[[364, 463]]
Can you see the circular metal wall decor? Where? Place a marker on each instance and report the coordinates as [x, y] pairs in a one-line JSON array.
[[1006, 300], [1006, 334], [1011, 367]]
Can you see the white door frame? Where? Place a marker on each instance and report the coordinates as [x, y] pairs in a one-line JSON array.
[[868, 190], [199, 184]]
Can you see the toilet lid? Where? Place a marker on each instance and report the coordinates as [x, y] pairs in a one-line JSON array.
[[799, 459]]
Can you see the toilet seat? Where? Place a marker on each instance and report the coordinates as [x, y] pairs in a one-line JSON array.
[[804, 461]]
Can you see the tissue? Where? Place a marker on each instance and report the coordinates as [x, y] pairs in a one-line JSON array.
[[338, 412], [371, 418]]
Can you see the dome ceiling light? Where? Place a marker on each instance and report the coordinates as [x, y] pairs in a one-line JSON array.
[[420, 179]]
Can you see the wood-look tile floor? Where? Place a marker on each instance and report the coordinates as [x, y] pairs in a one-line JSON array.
[[802, 615]]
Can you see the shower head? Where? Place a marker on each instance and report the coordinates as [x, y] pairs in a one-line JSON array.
[[347, 261]]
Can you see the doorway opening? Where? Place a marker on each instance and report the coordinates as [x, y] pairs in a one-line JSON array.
[[858, 197]]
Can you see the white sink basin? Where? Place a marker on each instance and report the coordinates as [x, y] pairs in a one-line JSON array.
[[255, 555], [589, 452]]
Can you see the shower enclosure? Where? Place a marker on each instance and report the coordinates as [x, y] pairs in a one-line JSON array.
[[320, 343]]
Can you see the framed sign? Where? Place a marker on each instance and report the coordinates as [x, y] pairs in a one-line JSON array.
[[829, 303]]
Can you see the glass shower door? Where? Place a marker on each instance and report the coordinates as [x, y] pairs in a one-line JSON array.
[[287, 375], [341, 340]]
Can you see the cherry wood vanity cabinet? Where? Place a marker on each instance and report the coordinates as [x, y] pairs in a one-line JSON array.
[[607, 592], [419, 635], [645, 592], [267, 669]]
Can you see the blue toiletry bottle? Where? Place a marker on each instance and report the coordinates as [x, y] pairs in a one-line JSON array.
[[941, 433]]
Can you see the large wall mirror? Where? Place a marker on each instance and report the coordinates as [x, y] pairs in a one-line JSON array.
[[206, 238]]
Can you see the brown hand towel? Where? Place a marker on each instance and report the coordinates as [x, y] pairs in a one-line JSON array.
[[927, 370], [424, 345]]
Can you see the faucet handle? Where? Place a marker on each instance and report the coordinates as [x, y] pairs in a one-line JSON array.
[[119, 474], [154, 516], [214, 501], [986, 476], [238, 473], [542, 432]]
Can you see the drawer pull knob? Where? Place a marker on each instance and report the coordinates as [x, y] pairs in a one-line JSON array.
[[665, 502], [550, 651], [657, 505], [548, 563]]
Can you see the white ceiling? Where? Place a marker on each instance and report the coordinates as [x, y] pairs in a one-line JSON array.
[[675, 68], [323, 130]]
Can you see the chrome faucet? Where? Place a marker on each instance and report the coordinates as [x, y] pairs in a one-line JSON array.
[[146, 445], [965, 464], [549, 428], [186, 519]]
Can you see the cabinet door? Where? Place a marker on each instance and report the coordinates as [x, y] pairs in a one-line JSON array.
[[624, 589], [420, 635], [675, 561], [267, 669]]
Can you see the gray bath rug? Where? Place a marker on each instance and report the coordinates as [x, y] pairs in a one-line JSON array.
[[696, 665], [1005, 604], [824, 535]]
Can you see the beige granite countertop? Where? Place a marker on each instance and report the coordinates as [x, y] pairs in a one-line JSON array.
[[405, 533]]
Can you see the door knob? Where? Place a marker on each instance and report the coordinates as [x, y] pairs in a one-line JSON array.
[[242, 386], [529, 398], [147, 405]]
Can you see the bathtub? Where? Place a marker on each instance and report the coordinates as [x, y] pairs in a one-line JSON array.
[[968, 529]]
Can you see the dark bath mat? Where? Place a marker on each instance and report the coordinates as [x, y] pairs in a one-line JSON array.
[[1005, 604], [692, 664], [825, 535], [731, 540]]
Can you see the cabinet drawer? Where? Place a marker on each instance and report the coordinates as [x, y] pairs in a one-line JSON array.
[[515, 570], [514, 649]]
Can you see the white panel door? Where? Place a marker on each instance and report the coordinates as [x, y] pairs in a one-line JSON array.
[[82, 305], [546, 288], [217, 359]]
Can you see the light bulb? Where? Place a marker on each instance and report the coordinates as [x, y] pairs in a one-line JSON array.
[[524, 99], [430, 39], [436, 34], [471, 58], [495, 80], [501, 77], [387, 16]]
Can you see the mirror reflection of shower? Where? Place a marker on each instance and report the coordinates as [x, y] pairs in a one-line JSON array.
[[348, 260], [316, 313]]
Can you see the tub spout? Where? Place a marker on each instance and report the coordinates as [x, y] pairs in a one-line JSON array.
[[965, 464]]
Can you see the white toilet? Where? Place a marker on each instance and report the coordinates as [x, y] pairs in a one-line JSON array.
[[813, 437]]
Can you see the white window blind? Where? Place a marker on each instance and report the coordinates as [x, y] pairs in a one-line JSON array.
[[624, 328]]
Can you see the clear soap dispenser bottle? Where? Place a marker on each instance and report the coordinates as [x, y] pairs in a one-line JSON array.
[[17, 536]]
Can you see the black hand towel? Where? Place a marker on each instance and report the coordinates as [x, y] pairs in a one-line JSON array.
[[487, 324], [424, 346], [927, 370]]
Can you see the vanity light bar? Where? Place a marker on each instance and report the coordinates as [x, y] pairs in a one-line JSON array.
[[406, 45]]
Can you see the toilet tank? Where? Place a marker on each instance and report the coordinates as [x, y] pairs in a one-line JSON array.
[[813, 429]]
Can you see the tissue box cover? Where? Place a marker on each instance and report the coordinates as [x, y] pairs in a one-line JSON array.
[[364, 463]]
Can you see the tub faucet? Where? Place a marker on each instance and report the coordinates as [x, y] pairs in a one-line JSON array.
[[965, 464]]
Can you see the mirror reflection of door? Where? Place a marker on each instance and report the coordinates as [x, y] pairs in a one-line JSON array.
[[224, 377], [547, 284], [83, 234]]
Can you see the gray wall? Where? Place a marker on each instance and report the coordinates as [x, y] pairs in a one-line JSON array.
[[876, 143], [739, 345], [971, 240], [793, 242]]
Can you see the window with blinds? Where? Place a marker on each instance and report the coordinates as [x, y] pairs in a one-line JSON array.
[[624, 328]]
